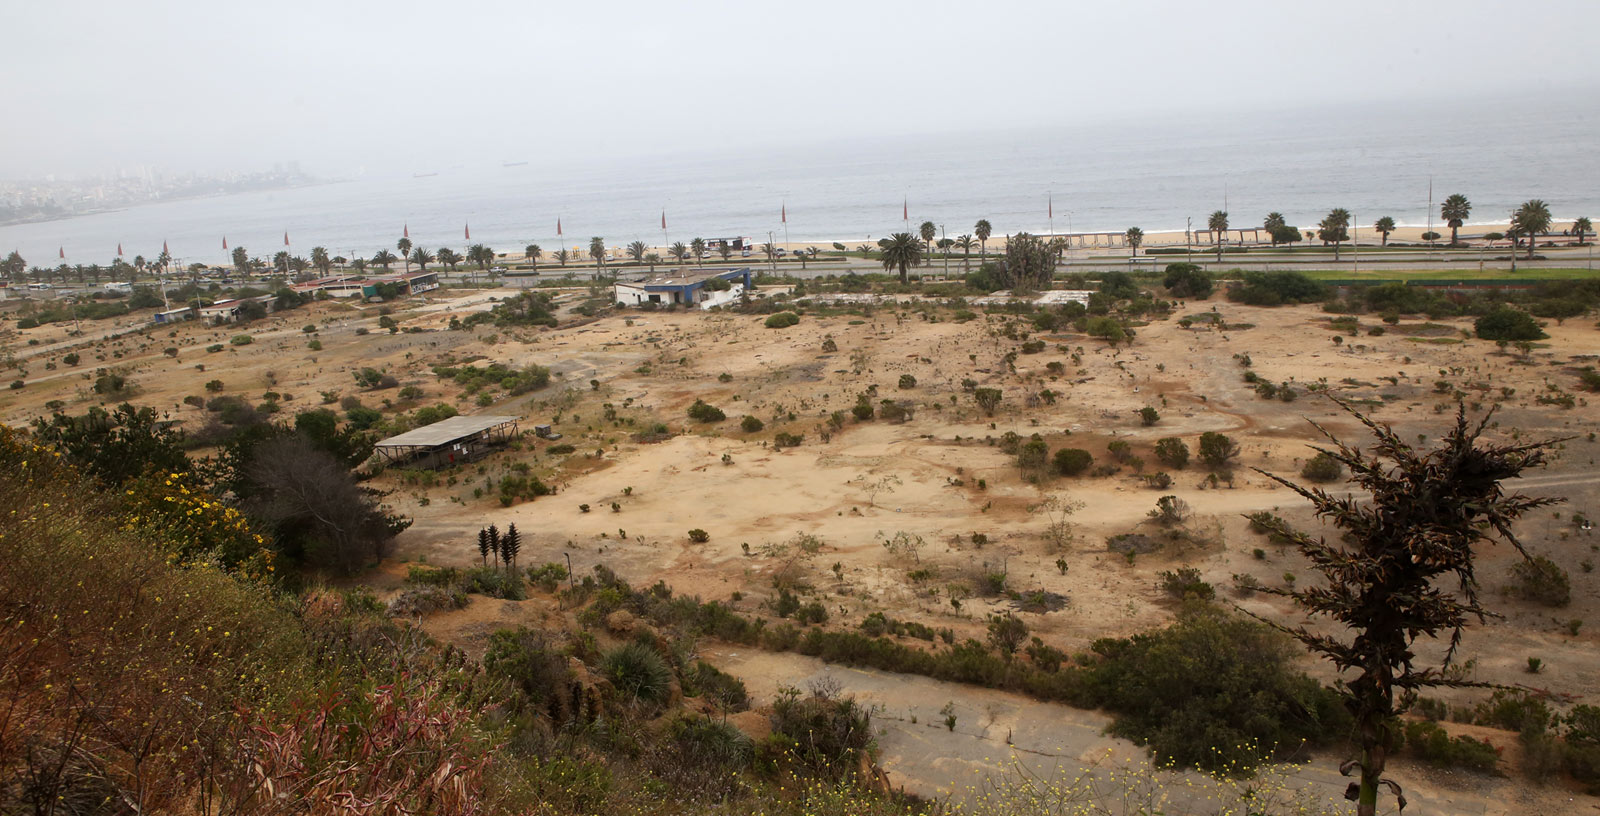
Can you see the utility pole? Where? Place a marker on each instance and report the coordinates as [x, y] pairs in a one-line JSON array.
[[946, 252]]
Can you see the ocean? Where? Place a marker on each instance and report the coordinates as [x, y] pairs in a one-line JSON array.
[[1152, 172]]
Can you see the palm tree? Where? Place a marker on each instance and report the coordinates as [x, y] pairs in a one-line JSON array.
[[983, 231], [404, 245], [483, 256], [1384, 226], [636, 251], [1581, 227], [383, 258], [928, 230], [597, 251], [1530, 219], [965, 244], [1135, 238], [532, 253], [448, 257], [725, 249], [359, 265], [563, 255], [1334, 227], [241, 260], [320, 259], [1273, 224], [698, 247], [1455, 210], [679, 251], [652, 259], [901, 250], [1218, 224], [768, 250], [421, 257]]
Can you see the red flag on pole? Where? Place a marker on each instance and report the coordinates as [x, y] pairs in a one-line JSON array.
[[558, 227], [119, 249], [1052, 205], [63, 251], [663, 219], [905, 209], [784, 213], [467, 231], [405, 230], [285, 237], [164, 248], [224, 242]]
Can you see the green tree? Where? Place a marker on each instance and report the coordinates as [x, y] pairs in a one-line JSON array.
[[1335, 228], [1187, 280], [1384, 226], [1218, 224], [1455, 210], [1172, 452], [1217, 450], [404, 245], [1580, 227], [448, 257], [532, 252], [636, 251], [1505, 323], [1530, 219], [982, 230], [698, 247], [1135, 240], [988, 399], [1430, 514], [115, 446], [597, 251], [241, 260], [384, 258], [483, 256], [965, 243], [321, 260], [1274, 225], [1028, 265], [901, 250], [421, 257], [928, 230]]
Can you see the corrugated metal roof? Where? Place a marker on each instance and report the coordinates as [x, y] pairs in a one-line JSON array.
[[445, 431]]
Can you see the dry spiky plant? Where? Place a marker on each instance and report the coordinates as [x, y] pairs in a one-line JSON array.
[[1417, 528]]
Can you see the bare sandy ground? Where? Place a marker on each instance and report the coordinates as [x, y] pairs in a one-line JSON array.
[[938, 476]]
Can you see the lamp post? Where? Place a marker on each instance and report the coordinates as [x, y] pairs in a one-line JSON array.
[[946, 249]]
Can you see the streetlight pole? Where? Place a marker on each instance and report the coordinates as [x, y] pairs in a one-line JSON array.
[[946, 249]]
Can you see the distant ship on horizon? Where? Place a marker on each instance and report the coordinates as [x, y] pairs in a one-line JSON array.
[[423, 175], [513, 164]]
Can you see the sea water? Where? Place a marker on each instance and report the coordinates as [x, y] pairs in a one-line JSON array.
[[1156, 172]]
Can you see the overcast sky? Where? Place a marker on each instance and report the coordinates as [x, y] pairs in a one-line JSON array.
[[400, 86]]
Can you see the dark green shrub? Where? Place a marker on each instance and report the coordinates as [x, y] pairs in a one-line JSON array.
[[1542, 581], [1322, 468], [782, 320], [1506, 323], [1172, 452], [751, 424], [701, 411], [1072, 461], [1430, 743], [638, 673]]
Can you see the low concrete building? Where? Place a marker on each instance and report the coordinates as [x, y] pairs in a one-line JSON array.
[[685, 289]]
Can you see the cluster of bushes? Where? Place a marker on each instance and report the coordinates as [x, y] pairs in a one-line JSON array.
[[782, 320], [525, 309], [702, 411], [513, 381], [1261, 288], [1209, 681]]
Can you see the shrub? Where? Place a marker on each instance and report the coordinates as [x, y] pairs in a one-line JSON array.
[[213, 348], [1542, 581], [71, 359], [1506, 323], [1217, 450], [1184, 582], [702, 411], [1072, 461], [1433, 745], [495, 583], [241, 340], [1172, 452], [1322, 468], [699, 536], [751, 424], [907, 381], [638, 672], [1148, 416], [787, 440], [1187, 280], [1259, 288], [1212, 690], [782, 320]]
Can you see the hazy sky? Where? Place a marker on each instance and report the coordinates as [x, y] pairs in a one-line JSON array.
[[401, 87]]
